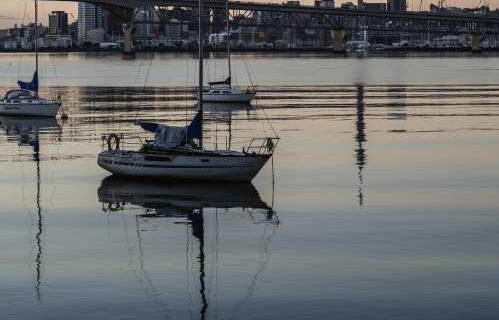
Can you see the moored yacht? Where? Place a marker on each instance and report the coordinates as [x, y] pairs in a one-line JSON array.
[[22, 102], [178, 153], [223, 91], [174, 153], [26, 101]]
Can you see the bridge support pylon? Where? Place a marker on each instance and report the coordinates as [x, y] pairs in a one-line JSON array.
[[128, 38], [476, 42], [339, 40]]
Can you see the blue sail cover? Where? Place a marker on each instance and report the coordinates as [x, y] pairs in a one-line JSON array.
[[149, 126], [193, 130], [30, 86]]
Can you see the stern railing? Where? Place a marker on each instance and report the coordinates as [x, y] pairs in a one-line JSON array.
[[262, 146]]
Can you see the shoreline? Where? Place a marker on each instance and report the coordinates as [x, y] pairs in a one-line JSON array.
[[396, 51]]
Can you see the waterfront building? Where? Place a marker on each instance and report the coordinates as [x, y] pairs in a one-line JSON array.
[[397, 5], [144, 19], [324, 4], [176, 30], [373, 6], [58, 22], [90, 17], [348, 5]]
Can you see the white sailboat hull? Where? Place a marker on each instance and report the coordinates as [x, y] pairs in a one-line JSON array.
[[228, 97], [224, 94], [197, 166], [38, 109]]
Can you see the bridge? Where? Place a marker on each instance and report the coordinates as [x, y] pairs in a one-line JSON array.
[[337, 21]]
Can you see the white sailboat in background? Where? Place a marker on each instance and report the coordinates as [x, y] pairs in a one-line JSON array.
[[26, 100], [178, 153], [223, 91]]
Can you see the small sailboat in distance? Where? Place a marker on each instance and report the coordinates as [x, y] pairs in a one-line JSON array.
[[223, 91], [178, 152], [26, 100]]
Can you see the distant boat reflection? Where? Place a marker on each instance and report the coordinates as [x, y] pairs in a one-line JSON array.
[[360, 138], [26, 132], [185, 203], [397, 97]]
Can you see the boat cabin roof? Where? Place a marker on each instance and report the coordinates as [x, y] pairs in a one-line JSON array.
[[19, 94]]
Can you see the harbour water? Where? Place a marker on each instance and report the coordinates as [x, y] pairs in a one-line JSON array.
[[380, 203]]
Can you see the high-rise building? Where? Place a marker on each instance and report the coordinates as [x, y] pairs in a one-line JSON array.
[[145, 16], [324, 4], [58, 22], [371, 6], [90, 17], [397, 5]]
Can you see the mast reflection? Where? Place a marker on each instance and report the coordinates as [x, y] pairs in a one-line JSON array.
[[397, 106], [186, 200], [360, 138], [26, 132]]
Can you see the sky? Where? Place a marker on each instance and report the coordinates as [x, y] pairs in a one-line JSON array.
[[13, 11]]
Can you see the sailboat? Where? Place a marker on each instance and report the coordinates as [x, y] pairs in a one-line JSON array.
[[178, 152], [223, 91], [26, 101]]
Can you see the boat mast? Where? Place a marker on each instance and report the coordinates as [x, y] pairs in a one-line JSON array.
[[200, 84], [228, 41], [36, 41]]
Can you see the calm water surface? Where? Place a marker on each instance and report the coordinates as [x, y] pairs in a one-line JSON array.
[[382, 203]]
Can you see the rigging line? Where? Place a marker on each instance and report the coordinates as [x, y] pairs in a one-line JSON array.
[[187, 270], [273, 183], [131, 254], [248, 72], [154, 291], [217, 242], [211, 261], [265, 255], [186, 100], [268, 121], [148, 72], [21, 56]]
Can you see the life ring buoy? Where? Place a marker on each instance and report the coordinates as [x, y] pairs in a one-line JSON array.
[[113, 142]]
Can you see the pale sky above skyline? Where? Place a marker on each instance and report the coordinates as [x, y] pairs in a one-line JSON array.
[[13, 11]]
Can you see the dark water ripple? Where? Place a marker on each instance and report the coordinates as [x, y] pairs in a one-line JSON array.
[[95, 111]]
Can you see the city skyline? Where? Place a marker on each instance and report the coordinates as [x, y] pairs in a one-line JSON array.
[[20, 12]]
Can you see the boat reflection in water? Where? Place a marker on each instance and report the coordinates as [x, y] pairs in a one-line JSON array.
[[25, 131], [184, 203], [361, 139], [168, 199]]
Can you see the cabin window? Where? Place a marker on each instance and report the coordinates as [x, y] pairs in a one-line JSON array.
[[216, 91], [205, 160], [157, 158]]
